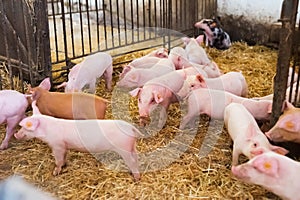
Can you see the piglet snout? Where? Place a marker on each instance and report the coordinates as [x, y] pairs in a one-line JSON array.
[[18, 135]]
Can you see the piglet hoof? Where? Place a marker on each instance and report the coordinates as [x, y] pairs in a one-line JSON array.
[[3, 146], [136, 177], [56, 171]]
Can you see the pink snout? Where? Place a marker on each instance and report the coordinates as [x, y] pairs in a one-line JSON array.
[[19, 135]]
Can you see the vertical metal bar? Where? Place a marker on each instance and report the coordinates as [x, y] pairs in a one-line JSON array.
[[144, 20], [169, 24], [288, 19], [71, 28], [97, 27], [89, 25], [155, 18], [55, 31], [64, 32], [137, 19], [125, 22], [81, 27], [111, 24], [149, 15], [104, 24], [132, 21], [118, 22]]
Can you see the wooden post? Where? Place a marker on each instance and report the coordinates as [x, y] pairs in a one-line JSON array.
[[42, 38], [288, 19]]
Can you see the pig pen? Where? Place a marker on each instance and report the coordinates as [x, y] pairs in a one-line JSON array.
[[190, 176]]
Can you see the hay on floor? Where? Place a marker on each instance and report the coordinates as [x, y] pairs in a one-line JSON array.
[[193, 174]]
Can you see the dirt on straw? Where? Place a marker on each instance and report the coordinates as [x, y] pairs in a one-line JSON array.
[[196, 164]]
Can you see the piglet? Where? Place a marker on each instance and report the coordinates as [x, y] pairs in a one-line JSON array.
[[213, 102], [176, 55], [150, 59], [210, 71], [75, 105], [154, 94], [233, 82], [136, 77], [215, 36], [287, 127], [87, 72], [13, 107], [92, 136], [276, 173], [247, 137]]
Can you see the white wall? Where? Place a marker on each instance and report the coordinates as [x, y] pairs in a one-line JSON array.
[[263, 11]]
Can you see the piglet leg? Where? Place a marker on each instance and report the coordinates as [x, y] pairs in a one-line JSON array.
[[60, 160], [11, 124], [108, 78], [131, 160]]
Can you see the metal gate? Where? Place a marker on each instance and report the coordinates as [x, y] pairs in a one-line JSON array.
[[25, 52], [81, 27]]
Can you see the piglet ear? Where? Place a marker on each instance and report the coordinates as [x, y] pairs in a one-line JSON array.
[[279, 150], [30, 123], [266, 165], [290, 123], [157, 97], [186, 40], [135, 92], [251, 131], [126, 69], [200, 39], [45, 84], [287, 105]]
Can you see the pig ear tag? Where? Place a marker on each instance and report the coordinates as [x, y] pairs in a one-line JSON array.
[[289, 124], [28, 124]]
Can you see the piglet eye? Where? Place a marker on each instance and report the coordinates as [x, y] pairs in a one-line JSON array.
[[139, 99], [192, 85], [152, 101], [255, 145]]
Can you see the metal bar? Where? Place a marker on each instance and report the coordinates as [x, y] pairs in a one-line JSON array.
[[71, 29], [118, 22], [55, 31], [97, 27], [89, 25], [137, 20], [111, 24], [125, 20], [104, 24], [81, 27], [64, 32]]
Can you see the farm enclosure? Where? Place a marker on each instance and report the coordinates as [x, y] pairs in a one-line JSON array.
[[190, 175]]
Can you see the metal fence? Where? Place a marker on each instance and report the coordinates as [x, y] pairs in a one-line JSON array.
[[81, 27]]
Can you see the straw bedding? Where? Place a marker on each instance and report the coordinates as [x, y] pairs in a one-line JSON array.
[[168, 174]]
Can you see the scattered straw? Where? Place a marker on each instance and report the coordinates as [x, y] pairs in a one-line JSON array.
[[187, 177]]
